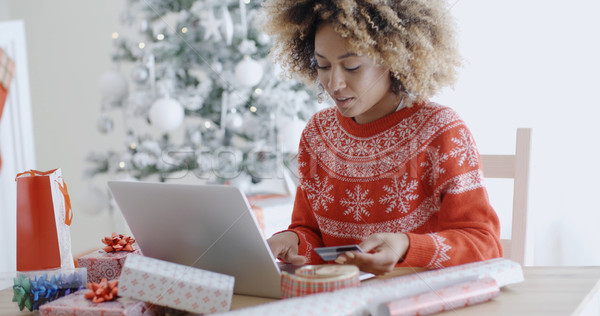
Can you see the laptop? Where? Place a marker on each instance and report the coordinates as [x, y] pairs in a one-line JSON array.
[[210, 227]]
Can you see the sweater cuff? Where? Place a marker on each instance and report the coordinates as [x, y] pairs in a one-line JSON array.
[[306, 248], [419, 251]]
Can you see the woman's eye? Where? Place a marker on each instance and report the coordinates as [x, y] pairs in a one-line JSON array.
[[322, 67], [352, 68]]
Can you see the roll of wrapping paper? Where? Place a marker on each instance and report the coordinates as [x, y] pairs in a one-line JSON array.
[[445, 299], [317, 279]]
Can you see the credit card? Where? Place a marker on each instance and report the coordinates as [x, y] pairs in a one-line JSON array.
[[330, 253]]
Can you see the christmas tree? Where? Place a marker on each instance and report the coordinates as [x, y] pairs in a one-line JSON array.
[[204, 96]]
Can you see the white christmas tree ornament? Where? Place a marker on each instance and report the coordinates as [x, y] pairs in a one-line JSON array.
[[248, 72], [166, 114]]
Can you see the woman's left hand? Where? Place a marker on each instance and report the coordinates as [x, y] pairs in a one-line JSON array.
[[382, 253]]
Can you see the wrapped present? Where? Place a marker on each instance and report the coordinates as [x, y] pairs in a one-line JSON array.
[[109, 261], [77, 304], [33, 288], [176, 286]]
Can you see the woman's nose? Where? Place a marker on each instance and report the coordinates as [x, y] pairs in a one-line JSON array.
[[336, 80]]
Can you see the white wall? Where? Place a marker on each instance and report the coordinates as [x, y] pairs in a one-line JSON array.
[[4, 10], [536, 64], [528, 64]]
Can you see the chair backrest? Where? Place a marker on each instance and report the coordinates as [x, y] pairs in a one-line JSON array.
[[514, 167]]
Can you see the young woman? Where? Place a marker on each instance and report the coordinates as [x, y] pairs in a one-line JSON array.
[[385, 168]]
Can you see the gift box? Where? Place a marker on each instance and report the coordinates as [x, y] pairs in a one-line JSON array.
[[108, 262], [34, 288], [176, 286], [77, 304]]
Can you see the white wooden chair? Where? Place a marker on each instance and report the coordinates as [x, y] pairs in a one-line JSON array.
[[514, 167]]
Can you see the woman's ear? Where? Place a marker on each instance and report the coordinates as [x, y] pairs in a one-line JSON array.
[[396, 85]]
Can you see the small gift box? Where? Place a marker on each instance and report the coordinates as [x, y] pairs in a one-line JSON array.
[[107, 262], [33, 288], [77, 304], [176, 286]]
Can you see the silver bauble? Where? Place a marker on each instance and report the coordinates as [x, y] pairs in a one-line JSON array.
[[263, 39], [140, 74], [105, 124], [234, 121]]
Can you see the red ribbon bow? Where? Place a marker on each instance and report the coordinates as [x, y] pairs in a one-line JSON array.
[[102, 292], [118, 242]]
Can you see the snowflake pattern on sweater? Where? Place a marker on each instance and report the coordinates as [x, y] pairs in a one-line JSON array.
[[399, 194], [357, 203], [416, 171]]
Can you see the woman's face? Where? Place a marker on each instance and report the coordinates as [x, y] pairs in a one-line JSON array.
[[359, 87]]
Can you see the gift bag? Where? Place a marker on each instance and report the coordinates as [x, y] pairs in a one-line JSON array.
[[43, 219]]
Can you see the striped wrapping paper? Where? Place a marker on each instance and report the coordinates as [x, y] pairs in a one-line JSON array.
[[369, 297], [449, 298], [318, 279]]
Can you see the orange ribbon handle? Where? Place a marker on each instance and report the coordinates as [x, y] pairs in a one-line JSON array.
[[69, 213], [34, 173]]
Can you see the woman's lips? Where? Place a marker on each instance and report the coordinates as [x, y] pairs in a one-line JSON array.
[[343, 102]]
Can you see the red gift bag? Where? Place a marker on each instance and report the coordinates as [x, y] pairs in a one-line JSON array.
[[43, 221]]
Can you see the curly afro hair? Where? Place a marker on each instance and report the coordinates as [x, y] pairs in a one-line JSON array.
[[415, 38]]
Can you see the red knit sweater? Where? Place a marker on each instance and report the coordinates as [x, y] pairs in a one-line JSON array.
[[415, 171]]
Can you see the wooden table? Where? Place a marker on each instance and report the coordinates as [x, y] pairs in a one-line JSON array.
[[546, 291]]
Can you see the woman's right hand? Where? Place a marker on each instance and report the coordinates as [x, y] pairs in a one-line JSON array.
[[285, 247]]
